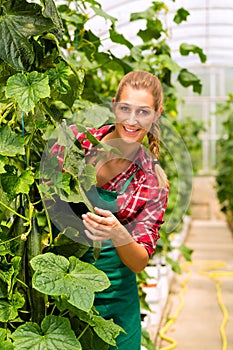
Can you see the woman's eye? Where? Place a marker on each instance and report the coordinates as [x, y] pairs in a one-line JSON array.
[[125, 109], [144, 112]]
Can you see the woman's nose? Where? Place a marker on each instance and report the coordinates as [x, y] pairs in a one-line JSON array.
[[132, 118]]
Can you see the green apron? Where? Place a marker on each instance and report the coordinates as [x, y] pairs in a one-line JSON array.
[[120, 301]]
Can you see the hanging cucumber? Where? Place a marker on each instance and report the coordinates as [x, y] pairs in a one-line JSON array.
[[37, 300], [18, 229]]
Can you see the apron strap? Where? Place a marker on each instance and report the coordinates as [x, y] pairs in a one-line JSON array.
[[127, 182]]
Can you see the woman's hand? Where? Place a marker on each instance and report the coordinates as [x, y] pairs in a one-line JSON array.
[[103, 225]]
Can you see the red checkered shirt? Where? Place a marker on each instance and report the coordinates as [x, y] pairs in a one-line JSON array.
[[142, 206]]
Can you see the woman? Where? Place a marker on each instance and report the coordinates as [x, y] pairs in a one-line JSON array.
[[129, 200], [128, 226]]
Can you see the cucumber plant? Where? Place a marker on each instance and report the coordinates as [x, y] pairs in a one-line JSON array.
[[35, 79]]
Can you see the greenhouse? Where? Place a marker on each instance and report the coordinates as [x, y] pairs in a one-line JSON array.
[[116, 168]]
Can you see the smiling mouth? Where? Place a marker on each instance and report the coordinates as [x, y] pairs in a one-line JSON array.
[[129, 130]]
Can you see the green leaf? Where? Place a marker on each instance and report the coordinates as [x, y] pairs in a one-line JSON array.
[[14, 184], [174, 265], [92, 44], [55, 334], [106, 329], [76, 280], [153, 31], [20, 22], [11, 143], [67, 242], [3, 289], [52, 13], [9, 309], [119, 38], [99, 12], [7, 270], [154, 27], [87, 177], [66, 136], [187, 78], [93, 114], [74, 195], [146, 340], [3, 162], [89, 339], [95, 141], [167, 62], [25, 180], [5, 311], [73, 160], [5, 247], [181, 15], [149, 14], [185, 50], [5, 344], [28, 89], [186, 252], [136, 53], [59, 77]]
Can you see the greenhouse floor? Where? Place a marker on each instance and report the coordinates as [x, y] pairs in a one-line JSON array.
[[199, 308]]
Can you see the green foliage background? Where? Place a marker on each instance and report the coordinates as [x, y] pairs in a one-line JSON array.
[[225, 167]]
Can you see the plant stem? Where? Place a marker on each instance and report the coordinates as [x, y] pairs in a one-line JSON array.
[[50, 234], [85, 329], [13, 211], [11, 239]]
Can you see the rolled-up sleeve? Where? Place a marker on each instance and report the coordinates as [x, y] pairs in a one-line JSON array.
[[144, 215]]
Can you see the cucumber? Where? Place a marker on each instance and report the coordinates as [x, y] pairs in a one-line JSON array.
[[37, 300], [17, 229], [19, 247]]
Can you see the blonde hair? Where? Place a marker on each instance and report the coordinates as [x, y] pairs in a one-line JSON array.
[[142, 80]]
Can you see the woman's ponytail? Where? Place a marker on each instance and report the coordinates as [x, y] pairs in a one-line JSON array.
[[154, 146]]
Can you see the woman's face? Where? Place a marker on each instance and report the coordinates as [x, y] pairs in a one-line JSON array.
[[134, 114]]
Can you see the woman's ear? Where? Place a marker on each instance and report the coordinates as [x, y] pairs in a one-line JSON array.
[[160, 111], [158, 114], [113, 104]]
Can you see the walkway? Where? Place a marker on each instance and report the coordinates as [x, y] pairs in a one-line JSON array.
[[199, 318]]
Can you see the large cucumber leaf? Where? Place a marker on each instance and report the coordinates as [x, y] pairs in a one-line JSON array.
[[19, 21], [55, 333], [106, 330], [76, 280], [28, 89]]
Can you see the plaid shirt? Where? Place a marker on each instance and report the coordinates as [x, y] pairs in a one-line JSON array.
[[142, 206]]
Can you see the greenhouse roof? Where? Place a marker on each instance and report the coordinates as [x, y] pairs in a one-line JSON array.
[[208, 26]]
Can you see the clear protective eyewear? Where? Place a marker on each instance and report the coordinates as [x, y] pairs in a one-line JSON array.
[[127, 110]]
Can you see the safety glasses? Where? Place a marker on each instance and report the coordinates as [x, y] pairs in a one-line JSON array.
[[123, 109]]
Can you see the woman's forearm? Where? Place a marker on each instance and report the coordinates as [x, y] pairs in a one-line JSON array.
[[133, 255]]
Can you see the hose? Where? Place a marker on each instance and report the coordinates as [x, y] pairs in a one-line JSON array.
[[208, 268]]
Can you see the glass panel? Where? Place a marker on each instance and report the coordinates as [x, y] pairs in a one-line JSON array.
[[192, 110], [229, 80]]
